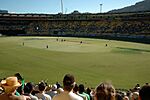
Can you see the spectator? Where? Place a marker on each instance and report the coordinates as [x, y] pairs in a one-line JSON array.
[[137, 87], [10, 86], [20, 89], [41, 95], [105, 91], [144, 93], [118, 96], [82, 91], [125, 97], [135, 95], [29, 87], [68, 83], [76, 89], [53, 91], [88, 91], [58, 85], [146, 83]]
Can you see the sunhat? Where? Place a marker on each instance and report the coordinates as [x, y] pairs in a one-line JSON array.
[[10, 82]]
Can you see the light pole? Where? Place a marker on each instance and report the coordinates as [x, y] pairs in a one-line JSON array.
[[62, 6], [101, 8], [66, 10]]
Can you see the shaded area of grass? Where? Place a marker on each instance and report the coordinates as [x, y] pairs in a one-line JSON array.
[[133, 49]]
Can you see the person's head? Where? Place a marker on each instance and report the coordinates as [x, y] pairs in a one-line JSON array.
[[58, 85], [135, 95], [10, 84], [88, 90], [81, 88], [68, 82], [54, 87], [144, 93], [76, 88], [42, 86], [19, 76], [29, 87], [105, 91], [20, 89]]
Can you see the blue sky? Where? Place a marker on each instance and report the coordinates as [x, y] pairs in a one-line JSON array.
[[53, 6]]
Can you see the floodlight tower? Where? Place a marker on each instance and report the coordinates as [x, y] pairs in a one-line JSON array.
[[66, 10], [101, 8], [62, 6]]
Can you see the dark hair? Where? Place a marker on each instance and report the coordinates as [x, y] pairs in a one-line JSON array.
[[81, 88], [145, 92], [88, 90], [19, 76], [76, 88], [28, 87], [68, 82], [58, 85], [42, 86]]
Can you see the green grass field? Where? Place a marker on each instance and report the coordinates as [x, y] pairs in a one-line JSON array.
[[123, 63]]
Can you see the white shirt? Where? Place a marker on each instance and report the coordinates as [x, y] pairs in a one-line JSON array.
[[67, 96], [43, 96], [52, 93]]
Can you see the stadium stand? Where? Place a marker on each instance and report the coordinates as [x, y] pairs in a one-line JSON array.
[[123, 26]]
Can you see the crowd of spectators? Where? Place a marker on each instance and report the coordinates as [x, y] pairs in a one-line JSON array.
[[15, 88], [99, 27], [135, 26], [76, 24]]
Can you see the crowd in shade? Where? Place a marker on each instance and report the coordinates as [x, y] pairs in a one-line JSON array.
[[15, 88], [88, 28], [100, 27]]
